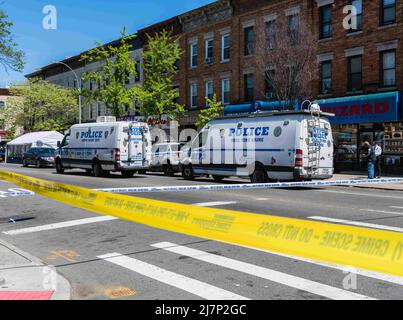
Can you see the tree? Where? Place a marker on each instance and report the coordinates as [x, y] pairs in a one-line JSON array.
[[286, 53], [157, 96], [10, 56], [213, 110], [42, 106], [111, 79]]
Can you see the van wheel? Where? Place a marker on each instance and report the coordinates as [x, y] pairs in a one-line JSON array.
[[168, 170], [259, 175], [218, 178], [59, 167], [187, 173], [128, 174], [97, 170]]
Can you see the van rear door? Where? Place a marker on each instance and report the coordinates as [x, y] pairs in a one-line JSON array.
[[135, 146]]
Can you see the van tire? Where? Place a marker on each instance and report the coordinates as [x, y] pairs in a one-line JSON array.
[[187, 172], [97, 169], [59, 167], [218, 178], [259, 175], [128, 174]]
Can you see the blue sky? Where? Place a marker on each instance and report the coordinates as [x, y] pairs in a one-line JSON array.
[[80, 24]]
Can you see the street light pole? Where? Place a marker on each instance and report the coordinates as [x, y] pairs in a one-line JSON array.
[[80, 91]]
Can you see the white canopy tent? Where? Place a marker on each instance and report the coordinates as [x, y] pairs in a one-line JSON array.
[[17, 147]]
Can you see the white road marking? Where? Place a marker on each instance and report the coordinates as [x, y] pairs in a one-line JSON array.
[[213, 203], [59, 225], [356, 223], [383, 211], [265, 273], [262, 199], [190, 285], [360, 194], [396, 207], [365, 273]]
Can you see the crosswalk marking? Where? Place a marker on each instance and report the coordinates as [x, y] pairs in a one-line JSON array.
[[59, 225], [265, 273], [213, 203], [383, 211], [357, 223], [190, 285], [365, 273]]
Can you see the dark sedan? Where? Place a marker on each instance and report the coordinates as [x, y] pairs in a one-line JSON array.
[[40, 157]]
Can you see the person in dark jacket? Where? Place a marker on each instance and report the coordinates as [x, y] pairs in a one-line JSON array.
[[371, 157]]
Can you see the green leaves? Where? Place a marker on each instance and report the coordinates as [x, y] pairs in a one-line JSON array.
[[10, 56], [111, 78], [41, 106], [157, 96], [214, 110]]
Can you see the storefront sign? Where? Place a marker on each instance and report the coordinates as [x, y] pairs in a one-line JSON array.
[[382, 107]]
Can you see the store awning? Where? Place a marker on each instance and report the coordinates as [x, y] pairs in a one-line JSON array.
[[370, 108]]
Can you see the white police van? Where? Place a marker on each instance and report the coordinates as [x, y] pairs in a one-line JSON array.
[[102, 147], [265, 146]]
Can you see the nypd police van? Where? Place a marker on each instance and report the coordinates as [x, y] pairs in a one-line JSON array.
[[105, 147], [265, 146]]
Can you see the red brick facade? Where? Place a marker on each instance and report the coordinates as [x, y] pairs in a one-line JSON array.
[[232, 16]]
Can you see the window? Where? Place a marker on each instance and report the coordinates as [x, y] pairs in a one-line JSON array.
[[209, 50], [193, 55], [355, 73], [326, 77], [225, 47], [388, 12], [193, 95], [249, 38], [249, 87], [271, 34], [138, 71], [209, 90], [2, 104], [269, 88], [90, 115], [358, 6], [326, 21], [388, 68], [293, 25], [98, 109], [226, 91]]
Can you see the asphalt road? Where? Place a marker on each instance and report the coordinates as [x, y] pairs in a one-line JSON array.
[[82, 252]]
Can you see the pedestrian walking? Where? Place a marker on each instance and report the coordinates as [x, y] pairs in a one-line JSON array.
[[371, 157], [378, 162]]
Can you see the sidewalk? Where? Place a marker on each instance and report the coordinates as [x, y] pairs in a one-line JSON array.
[[24, 277], [363, 176]]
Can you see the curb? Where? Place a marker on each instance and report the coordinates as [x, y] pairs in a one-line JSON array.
[[373, 188], [63, 290]]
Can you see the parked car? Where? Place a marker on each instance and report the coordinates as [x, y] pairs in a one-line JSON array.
[[2, 154], [40, 157], [165, 158]]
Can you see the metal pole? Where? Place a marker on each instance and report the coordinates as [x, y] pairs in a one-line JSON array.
[[80, 91]]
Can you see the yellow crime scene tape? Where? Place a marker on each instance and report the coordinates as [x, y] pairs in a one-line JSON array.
[[364, 248]]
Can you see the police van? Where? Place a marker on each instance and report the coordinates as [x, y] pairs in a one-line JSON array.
[[265, 146], [105, 146]]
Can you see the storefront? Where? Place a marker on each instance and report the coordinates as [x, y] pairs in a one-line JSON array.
[[372, 118]]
